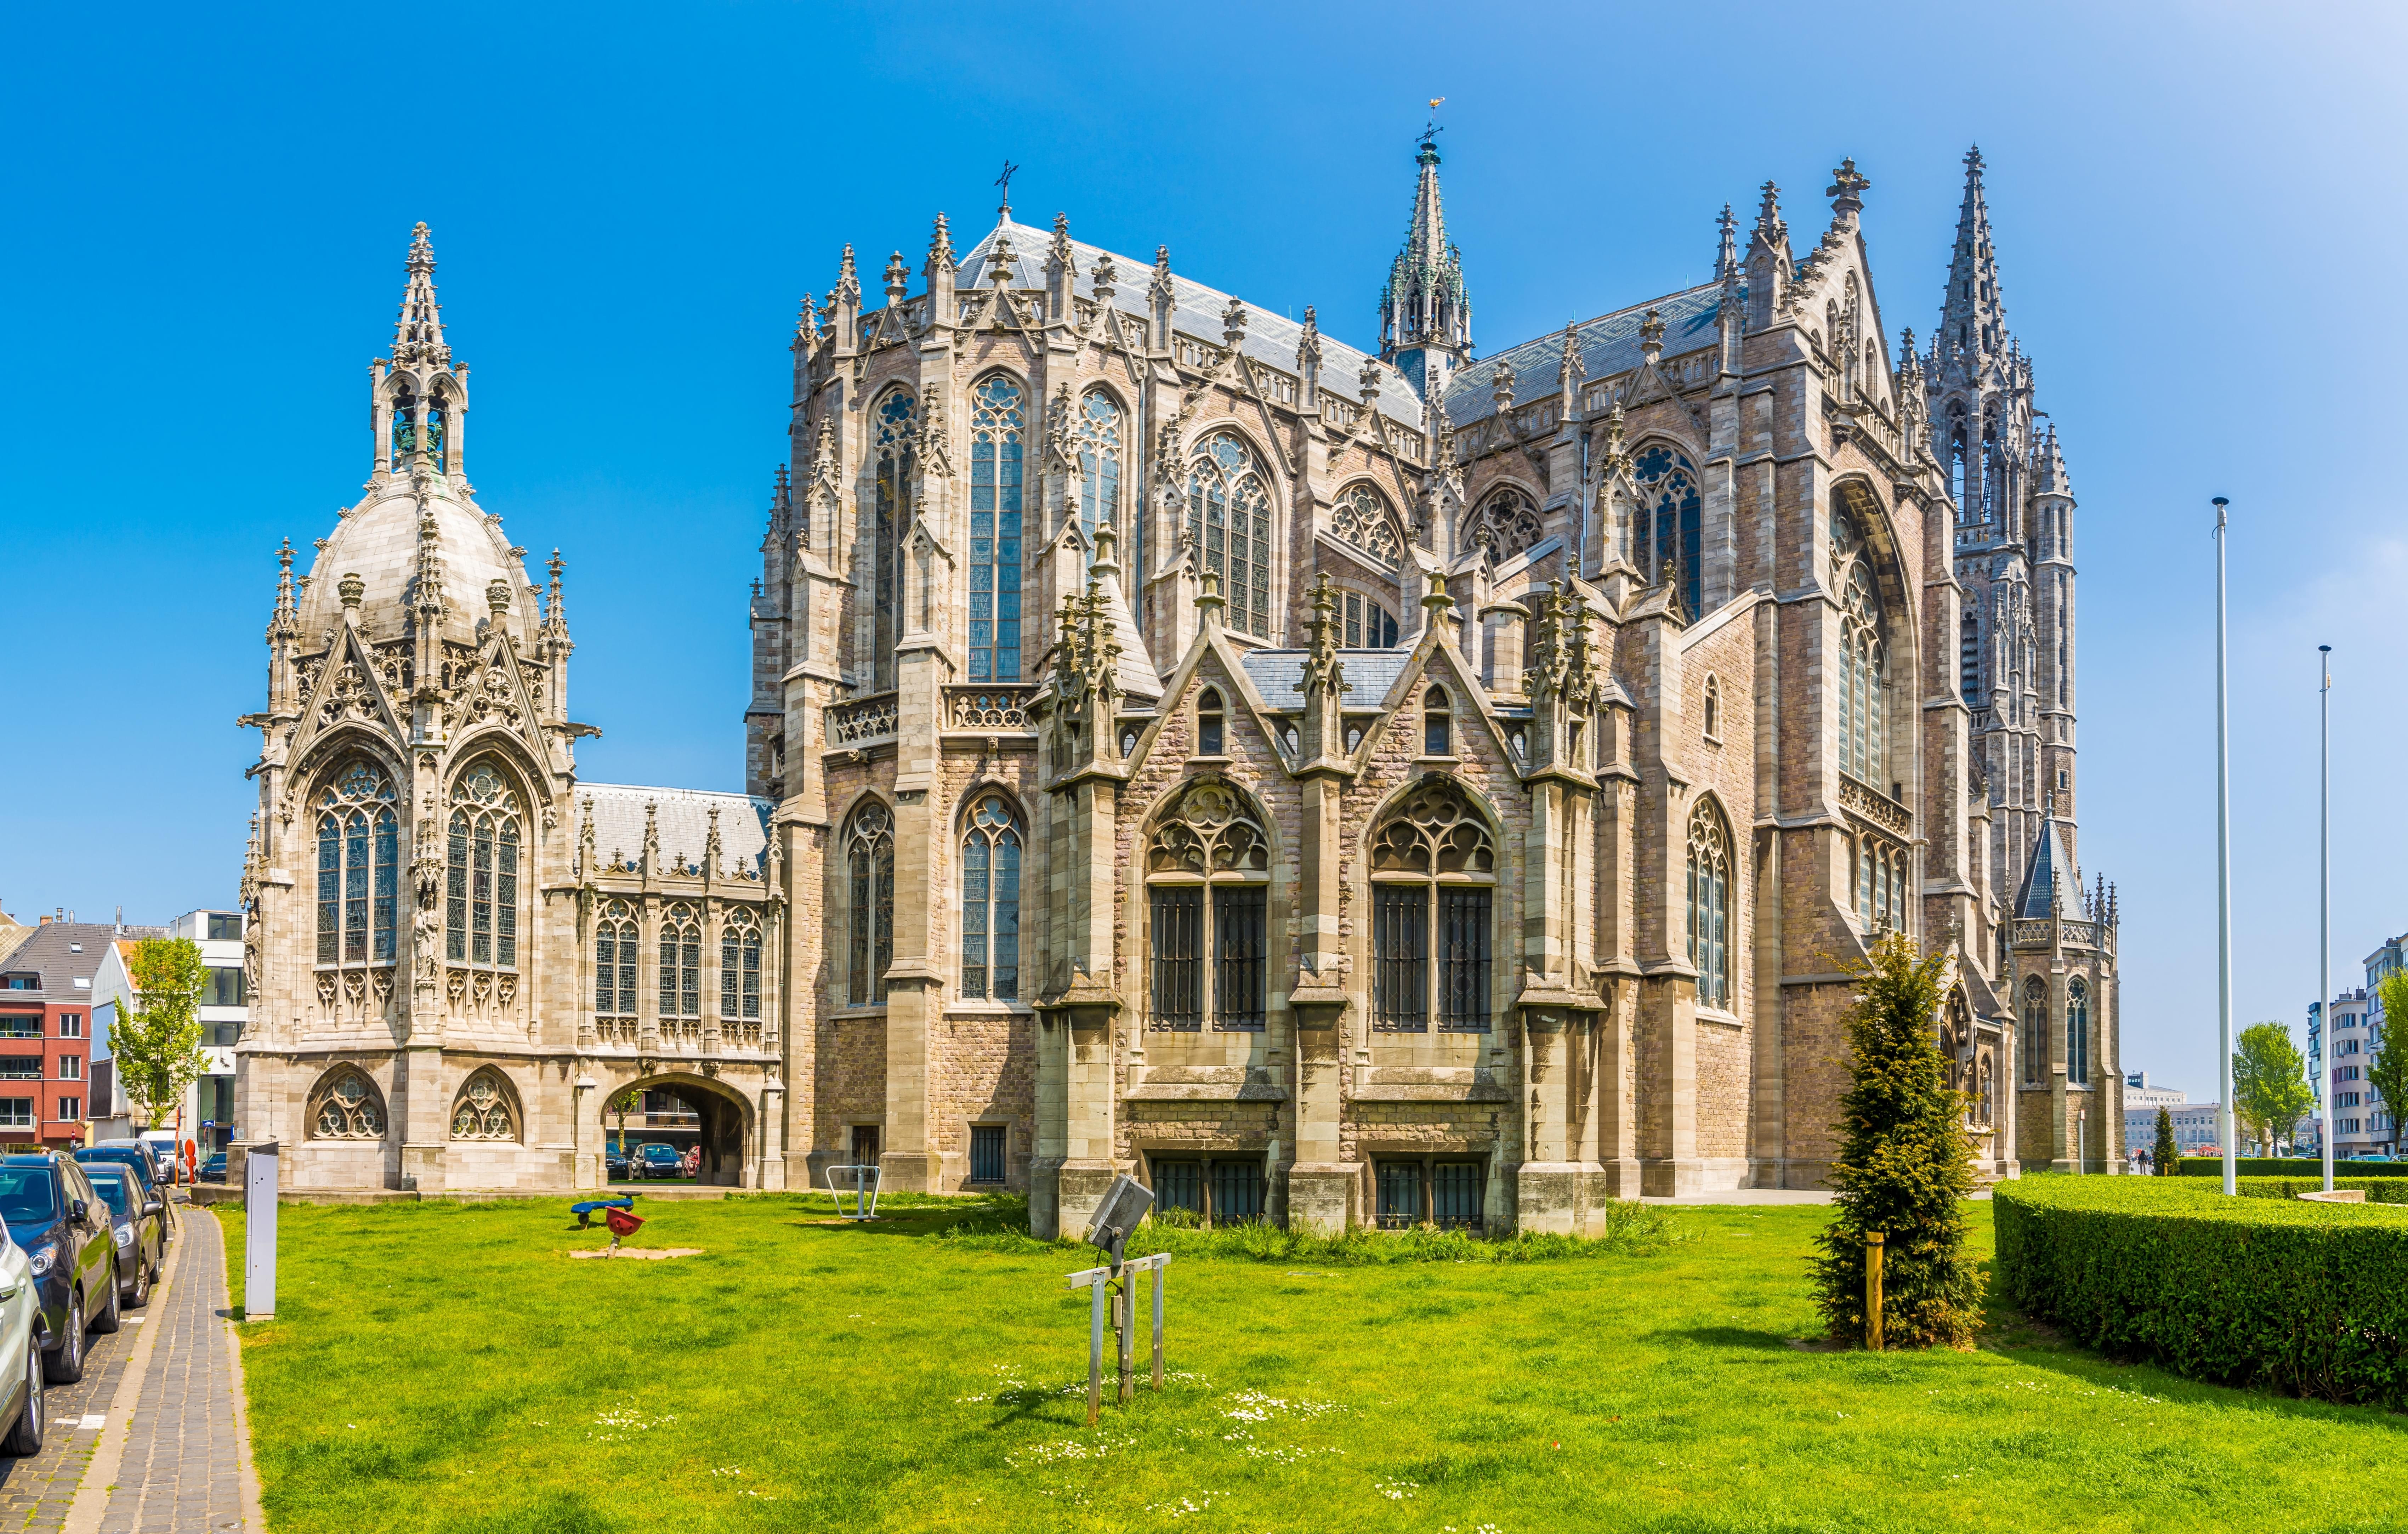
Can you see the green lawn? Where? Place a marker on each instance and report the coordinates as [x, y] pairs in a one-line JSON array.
[[447, 1368]]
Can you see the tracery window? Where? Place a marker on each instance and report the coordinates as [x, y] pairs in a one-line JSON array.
[[359, 862], [1099, 474], [1710, 905], [740, 970], [1864, 744], [347, 1106], [2078, 1031], [2035, 1031], [1433, 888], [1361, 520], [483, 1111], [995, 419], [1230, 519], [680, 972], [1507, 525], [991, 902], [1208, 899], [869, 863], [1667, 498], [481, 894], [1879, 869], [614, 970], [897, 419], [1367, 625]]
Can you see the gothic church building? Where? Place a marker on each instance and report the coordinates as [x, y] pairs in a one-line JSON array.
[[1338, 787]]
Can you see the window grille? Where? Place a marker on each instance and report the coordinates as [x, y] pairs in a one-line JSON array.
[[986, 1152], [615, 961], [1237, 1192], [1361, 519], [1180, 1184], [1433, 909], [1240, 950], [1400, 966], [1464, 921], [1213, 840], [1099, 475], [681, 971], [740, 969], [1177, 913], [1455, 1190], [1400, 1195]]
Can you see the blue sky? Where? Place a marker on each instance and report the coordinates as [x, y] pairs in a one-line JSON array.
[[2198, 211]]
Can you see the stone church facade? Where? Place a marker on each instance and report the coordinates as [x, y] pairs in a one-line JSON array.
[[1337, 787]]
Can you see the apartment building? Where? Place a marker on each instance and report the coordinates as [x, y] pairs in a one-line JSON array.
[[207, 1116], [46, 1031]]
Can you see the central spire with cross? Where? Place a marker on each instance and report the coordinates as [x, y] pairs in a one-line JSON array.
[[1424, 310]]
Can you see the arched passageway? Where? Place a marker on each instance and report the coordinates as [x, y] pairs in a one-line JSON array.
[[710, 1127]]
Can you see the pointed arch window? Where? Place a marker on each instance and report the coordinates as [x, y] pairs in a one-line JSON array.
[[1669, 500], [404, 434], [484, 1109], [2078, 1031], [1437, 724], [1361, 521], [1229, 519], [996, 417], [1879, 870], [1211, 725], [480, 914], [1506, 527], [359, 863], [1969, 659], [680, 972], [1208, 903], [991, 902], [740, 972], [1099, 475], [346, 1106], [614, 971], [1863, 742], [1713, 710], [897, 418], [1433, 903], [2035, 1031], [439, 419], [869, 867], [1709, 906]]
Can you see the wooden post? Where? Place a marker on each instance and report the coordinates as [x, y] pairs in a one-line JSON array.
[[1157, 1325], [1873, 1290], [1094, 1353]]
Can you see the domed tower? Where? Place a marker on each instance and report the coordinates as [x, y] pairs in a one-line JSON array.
[[414, 828]]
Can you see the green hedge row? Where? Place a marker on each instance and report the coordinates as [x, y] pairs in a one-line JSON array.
[[2379, 1190], [2267, 1166], [2308, 1299]]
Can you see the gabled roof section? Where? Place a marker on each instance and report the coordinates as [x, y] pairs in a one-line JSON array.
[[2051, 878], [683, 815], [1270, 337], [1609, 345], [1371, 675]]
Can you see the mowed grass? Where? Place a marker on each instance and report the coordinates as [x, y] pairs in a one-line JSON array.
[[449, 1368]]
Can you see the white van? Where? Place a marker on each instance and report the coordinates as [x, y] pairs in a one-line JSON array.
[[163, 1145]]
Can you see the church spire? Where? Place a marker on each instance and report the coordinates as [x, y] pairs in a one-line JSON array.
[[1974, 317], [1424, 310], [418, 334]]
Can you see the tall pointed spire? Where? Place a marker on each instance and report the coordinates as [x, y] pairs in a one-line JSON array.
[[1974, 317], [1726, 251], [1425, 310], [418, 334]]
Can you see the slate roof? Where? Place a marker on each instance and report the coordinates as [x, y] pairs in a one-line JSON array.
[[50, 952], [1609, 345], [684, 822], [1270, 337], [1368, 674], [2036, 898]]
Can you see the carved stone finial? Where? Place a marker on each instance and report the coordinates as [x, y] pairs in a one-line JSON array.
[[898, 279], [497, 596], [1107, 274], [1650, 336], [1500, 388], [1370, 383], [352, 589], [1233, 324], [1847, 191], [1209, 602]]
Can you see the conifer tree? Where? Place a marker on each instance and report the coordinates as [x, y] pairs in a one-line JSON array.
[[2168, 1154], [1905, 1164]]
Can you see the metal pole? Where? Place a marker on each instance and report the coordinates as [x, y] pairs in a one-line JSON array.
[[1095, 1351], [1157, 1325], [2223, 878], [2324, 927]]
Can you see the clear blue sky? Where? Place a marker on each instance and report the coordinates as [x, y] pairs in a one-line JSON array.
[[2199, 212]]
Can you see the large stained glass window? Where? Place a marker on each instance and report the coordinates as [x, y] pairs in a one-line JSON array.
[[996, 416], [1230, 518]]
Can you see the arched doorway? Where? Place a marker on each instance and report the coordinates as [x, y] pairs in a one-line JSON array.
[[708, 1125]]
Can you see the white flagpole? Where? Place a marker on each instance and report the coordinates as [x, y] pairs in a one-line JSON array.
[[2223, 878], [2324, 926]]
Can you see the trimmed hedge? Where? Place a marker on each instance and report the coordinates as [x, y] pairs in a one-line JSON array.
[[2379, 1190], [2267, 1166], [2310, 1300]]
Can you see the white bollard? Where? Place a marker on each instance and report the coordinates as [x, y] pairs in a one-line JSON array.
[[259, 1233]]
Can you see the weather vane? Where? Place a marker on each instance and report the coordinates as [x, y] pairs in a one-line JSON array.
[[1431, 129], [1004, 181]]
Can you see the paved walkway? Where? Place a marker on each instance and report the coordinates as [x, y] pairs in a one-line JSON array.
[[36, 1493]]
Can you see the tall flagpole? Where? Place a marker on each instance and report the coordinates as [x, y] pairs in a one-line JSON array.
[[2223, 879], [2324, 927]]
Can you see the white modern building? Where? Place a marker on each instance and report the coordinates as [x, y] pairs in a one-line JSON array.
[[208, 1114]]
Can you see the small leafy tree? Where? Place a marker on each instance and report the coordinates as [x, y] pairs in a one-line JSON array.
[[1904, 1166], [2168, 1154], [2388, 1072], [155, 1037], [2269, 1082]]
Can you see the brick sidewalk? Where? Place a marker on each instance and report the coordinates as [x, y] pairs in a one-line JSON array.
[[35, 1494]]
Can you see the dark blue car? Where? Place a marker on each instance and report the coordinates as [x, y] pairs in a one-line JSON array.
[[659, 1161], [53, 1212], [134, 1153]]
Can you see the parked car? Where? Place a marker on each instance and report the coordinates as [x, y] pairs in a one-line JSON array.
[[213, 1170], [659, 1161], [140, 1252], [615, 1163], [134, 1153], [170, 1155], [22, 1404], [52, 1212]]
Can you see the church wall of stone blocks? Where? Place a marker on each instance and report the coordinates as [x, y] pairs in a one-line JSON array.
[[1339, 787]]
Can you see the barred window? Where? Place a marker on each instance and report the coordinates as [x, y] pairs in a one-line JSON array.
[[1230, 519], [991, 902], [482, 904], [681, 962], [995, 419], [359, 861], [1433, 910], [1207, 870], [870, 857], [986, 1152]]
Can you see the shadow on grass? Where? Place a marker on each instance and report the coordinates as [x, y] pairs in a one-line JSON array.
[[1746, 1338]]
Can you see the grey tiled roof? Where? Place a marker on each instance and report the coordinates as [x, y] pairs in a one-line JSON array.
[[1368, 675], [1270, 337], [685, 820], [2040, 890], [1609, 345], [49, 951]]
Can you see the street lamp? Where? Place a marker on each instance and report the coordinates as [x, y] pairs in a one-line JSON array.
[[2223, 879], [2324, 926]]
